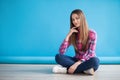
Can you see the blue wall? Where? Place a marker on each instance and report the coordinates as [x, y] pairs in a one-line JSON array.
[[31, 31]]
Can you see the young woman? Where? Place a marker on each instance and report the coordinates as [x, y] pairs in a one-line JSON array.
[[83, 40]]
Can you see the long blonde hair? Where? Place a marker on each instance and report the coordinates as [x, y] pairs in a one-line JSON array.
[[83, 37]]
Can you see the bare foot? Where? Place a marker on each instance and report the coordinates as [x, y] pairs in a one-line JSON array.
[[89, 71]]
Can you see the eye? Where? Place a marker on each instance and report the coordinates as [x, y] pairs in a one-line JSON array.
[[73, 19], [77, 18]]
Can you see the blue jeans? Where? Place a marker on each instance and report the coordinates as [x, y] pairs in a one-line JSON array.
[[67, 61]]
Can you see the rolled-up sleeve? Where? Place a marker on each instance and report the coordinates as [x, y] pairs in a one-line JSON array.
[[64, 46]]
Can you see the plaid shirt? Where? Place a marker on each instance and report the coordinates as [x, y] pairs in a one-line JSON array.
[[82, 55]]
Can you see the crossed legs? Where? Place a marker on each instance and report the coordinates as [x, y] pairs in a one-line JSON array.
[[75, 66]]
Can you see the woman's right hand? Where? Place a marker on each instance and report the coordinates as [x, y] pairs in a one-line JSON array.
[[72, 30]]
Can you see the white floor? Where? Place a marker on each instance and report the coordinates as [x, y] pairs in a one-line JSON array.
[[44, 72]]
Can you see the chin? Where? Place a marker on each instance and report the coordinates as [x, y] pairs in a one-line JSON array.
[[77, 26]]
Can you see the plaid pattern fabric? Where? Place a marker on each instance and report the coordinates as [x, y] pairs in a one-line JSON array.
[[82, 55]]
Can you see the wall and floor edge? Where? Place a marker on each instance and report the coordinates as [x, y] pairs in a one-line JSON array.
[[49, 60]]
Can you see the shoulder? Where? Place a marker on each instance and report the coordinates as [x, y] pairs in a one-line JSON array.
[[92, 34]]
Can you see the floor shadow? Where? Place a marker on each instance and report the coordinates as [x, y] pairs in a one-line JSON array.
[[41, 71]]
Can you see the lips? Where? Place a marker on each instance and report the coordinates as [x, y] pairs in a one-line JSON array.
[[75, 23]]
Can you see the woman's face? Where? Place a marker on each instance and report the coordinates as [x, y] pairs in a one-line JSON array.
[[75, 20]]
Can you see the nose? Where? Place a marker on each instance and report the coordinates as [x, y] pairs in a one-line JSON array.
[[75, 21]]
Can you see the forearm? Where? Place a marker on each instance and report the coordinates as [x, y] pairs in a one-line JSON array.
[[74, 67], [78, 62]]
